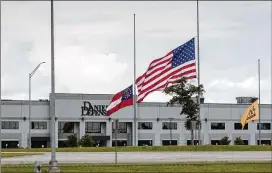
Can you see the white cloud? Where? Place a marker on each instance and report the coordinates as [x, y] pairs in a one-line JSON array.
[[94, 45]]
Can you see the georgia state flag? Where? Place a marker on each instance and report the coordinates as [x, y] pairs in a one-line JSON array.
[[120, 100]]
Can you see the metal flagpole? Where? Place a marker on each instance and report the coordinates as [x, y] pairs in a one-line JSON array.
[[259, 102], [198, 75], [0, 98], [134, 100], [53, 164]]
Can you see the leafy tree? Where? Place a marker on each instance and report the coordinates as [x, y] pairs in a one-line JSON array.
[[182, 93], [224, 141], [238, 141], [72, 141], [86, 141]]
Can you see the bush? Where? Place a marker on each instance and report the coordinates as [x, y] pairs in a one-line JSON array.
[[224, 141], [238, 141], [86, 141], [72, 141]]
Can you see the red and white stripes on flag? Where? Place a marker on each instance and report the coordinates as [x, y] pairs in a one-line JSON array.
[[176, 64]]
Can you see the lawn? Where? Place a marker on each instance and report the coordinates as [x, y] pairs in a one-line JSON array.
[[151, 148], [5, 155], [177, 167]]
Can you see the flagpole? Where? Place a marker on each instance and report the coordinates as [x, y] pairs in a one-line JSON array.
[[198, 74], [259, 83], [0, 98], [53, 164], [134, 90]]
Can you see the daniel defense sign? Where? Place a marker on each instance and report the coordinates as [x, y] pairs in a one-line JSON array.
[[89, 109]]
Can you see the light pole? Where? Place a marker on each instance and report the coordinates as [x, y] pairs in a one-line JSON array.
[[29, 104]]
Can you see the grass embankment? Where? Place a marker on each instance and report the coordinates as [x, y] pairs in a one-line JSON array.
[[150, 148], [189, 167], [5, 155]]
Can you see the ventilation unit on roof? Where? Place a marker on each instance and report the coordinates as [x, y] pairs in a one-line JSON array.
[[43, 100], [246, 100]]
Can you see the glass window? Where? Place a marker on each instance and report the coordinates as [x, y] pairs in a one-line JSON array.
[[144, 142], [39, 125], [145, 125], [66, 127], [169, 142], [10, 124], [238, 126], [264, 142], [92, 127], [168, 125], [122, 127], [264, 126], [218, 126]]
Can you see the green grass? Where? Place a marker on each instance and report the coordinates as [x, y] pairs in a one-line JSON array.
[[151, 148], [184, 167], [5, 155]]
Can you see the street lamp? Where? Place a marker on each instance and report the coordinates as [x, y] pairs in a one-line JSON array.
[[29, 104]]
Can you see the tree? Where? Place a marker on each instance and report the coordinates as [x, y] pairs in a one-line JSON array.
[[86, 141], [72, 141], [224, 141], [238, 141], [182, 93]]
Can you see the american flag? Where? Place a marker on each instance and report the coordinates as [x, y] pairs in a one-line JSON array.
[[176, 64]]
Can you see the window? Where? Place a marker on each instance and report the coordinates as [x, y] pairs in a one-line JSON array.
[[218, 126], [264, 142], [92, 127], [122, 127], [238, 126], [215, 142], [195, 142], [264, 126], [144, 142], [66, 127], [10, 124], [169, 142], [119, 143], [145, 125], [38, 125], [245, 142], [168, 125]]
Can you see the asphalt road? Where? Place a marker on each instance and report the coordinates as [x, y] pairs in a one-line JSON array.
[[128, 157]]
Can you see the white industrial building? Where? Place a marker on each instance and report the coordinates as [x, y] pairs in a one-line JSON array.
[[86, 113]]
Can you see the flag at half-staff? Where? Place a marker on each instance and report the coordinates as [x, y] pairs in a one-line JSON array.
[[120, 100], [250, 114], [178, 63]]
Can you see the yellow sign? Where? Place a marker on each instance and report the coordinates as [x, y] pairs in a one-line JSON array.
[[251, 113]]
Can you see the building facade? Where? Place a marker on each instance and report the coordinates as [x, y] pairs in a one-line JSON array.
[[156, 124]]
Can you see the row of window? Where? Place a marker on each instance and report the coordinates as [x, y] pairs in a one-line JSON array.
[[15, 125], [165, 125], [90, 127], [175, 142], [238, 126], [214, 126], [95, 127]]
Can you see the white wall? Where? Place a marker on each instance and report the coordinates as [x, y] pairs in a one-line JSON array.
[[70, 110]]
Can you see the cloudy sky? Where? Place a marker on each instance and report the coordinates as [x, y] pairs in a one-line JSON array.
[[94, 45]]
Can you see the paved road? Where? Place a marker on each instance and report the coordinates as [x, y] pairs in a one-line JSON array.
[[126, 157]]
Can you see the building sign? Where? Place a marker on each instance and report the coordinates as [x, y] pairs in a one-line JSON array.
[[93, 110]]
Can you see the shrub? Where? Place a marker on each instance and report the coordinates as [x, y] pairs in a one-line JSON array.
[[72, 141], [238, 141], [224, 141], [86, 141]]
